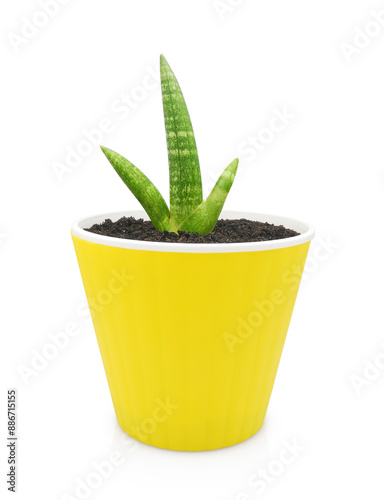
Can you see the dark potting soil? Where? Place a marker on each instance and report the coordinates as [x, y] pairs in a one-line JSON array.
[[225, 231]]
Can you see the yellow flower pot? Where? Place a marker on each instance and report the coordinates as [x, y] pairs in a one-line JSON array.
[[190, 334]]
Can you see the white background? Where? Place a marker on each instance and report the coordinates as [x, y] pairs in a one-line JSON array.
[[325, 167]]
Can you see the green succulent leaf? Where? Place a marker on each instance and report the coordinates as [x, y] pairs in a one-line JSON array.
[[204, 218], [146, 193], [185, 187], [188, 211]]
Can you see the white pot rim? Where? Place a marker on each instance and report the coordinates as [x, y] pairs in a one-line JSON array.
[[306, 231]]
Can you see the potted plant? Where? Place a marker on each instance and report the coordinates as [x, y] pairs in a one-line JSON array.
[[190, 329]]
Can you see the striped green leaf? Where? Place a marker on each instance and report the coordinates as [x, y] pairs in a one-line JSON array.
[[185, 187], [146, 193], [188, 211], [204, 218]]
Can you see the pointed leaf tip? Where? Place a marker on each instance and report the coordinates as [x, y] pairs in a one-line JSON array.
[[185, 186], [143, 189], [204, 218], [163, 61], [233, 166]]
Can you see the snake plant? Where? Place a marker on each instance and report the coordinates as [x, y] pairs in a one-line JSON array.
[[187, 211]]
